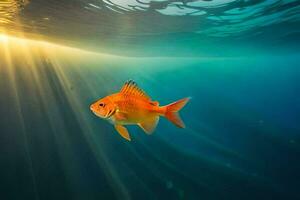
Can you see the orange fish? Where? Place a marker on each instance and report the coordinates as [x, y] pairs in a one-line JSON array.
[[133, 106]]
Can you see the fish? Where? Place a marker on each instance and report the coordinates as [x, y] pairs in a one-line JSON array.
[[132, 106]]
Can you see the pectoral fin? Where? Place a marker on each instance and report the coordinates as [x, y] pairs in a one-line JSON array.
[[149, 125], [119, 116], [123, 132]]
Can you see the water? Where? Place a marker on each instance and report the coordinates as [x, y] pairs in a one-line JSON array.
[[238, 60]]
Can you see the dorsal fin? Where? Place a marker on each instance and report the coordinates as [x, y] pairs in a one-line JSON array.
[[130, 87]]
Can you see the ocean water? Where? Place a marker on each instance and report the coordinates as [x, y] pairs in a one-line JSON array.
[[238, 60]]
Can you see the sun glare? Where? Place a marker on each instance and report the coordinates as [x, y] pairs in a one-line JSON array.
[[31, 45], [3, 38]]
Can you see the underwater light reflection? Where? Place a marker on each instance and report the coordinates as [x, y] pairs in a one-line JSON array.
[[9, 9], [26, 63]]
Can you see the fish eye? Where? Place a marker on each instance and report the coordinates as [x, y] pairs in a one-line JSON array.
[[101, 104]]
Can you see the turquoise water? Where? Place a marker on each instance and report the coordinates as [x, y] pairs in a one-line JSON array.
[[241, 140], [238, 60]]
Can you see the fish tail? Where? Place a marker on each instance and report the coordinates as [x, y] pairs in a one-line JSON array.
[[171, 112]]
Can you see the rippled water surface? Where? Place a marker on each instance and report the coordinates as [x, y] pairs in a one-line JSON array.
[[170, 27], [237, 59]]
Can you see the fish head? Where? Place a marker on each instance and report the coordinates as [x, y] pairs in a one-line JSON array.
[[103, 108]]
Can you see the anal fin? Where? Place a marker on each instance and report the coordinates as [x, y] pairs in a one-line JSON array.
[[149, 125], [123, 131]]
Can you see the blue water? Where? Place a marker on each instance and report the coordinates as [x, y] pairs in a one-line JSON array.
[[241, 140], [238, 60]]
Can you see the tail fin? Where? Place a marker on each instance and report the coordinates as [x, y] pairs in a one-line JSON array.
[[171, 112]]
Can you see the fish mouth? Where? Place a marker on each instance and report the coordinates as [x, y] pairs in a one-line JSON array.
[[98, 115]]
